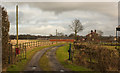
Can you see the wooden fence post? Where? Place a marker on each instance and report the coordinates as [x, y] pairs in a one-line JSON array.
[[20, 52], [29, 44], [39, 43], [36, 43], [25, 52], [15, 54], [26, 44], [33, 43], [11, 54]]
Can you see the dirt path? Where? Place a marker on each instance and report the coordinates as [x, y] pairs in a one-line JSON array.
[[33, 65], [55, 65]]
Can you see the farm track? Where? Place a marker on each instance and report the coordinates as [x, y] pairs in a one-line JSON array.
[[55, 65], [33, 65]]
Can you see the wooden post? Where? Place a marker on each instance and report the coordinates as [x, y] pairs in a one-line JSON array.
[[34, 43], [28, 44], [39, 43], [11, 54], [15, 54], [25, 52], [20, 52], [31, 44], [17, 23]]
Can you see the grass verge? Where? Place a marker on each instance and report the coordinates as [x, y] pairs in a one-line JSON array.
[[62, 56], [20, 66]]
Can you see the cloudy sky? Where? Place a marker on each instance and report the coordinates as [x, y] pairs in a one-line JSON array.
[[44, 18]]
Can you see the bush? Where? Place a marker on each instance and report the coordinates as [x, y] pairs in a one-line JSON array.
[[97, 58]]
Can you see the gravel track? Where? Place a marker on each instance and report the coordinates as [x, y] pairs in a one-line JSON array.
[[54, 63], [33, 65]]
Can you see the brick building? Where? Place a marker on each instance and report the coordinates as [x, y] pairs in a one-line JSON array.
[[92, 36]]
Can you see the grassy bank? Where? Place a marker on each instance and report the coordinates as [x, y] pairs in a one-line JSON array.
[[62, 55], [20, 66]]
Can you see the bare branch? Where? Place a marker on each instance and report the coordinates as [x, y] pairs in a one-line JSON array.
[[76, 26]]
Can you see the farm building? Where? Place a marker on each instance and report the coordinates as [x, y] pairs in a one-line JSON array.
[[92, 36]]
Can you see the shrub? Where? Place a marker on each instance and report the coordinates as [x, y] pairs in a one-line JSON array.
[[97, 57]]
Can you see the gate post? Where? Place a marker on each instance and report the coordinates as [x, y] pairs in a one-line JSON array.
[[69, 51]]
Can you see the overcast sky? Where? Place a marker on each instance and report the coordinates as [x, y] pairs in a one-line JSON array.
[[45, 18]]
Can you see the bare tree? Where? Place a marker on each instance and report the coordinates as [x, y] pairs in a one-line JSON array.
[[60, 34], [76, 27]]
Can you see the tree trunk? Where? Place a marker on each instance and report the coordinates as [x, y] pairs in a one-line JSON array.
[[75, 36]]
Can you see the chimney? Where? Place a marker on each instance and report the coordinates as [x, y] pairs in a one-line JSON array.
[[95, 31], [91, 31]]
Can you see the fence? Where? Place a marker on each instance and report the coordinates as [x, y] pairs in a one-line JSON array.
[[23, 48]]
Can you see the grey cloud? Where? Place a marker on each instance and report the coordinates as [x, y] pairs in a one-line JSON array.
[[45, 18], [109, 8]]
